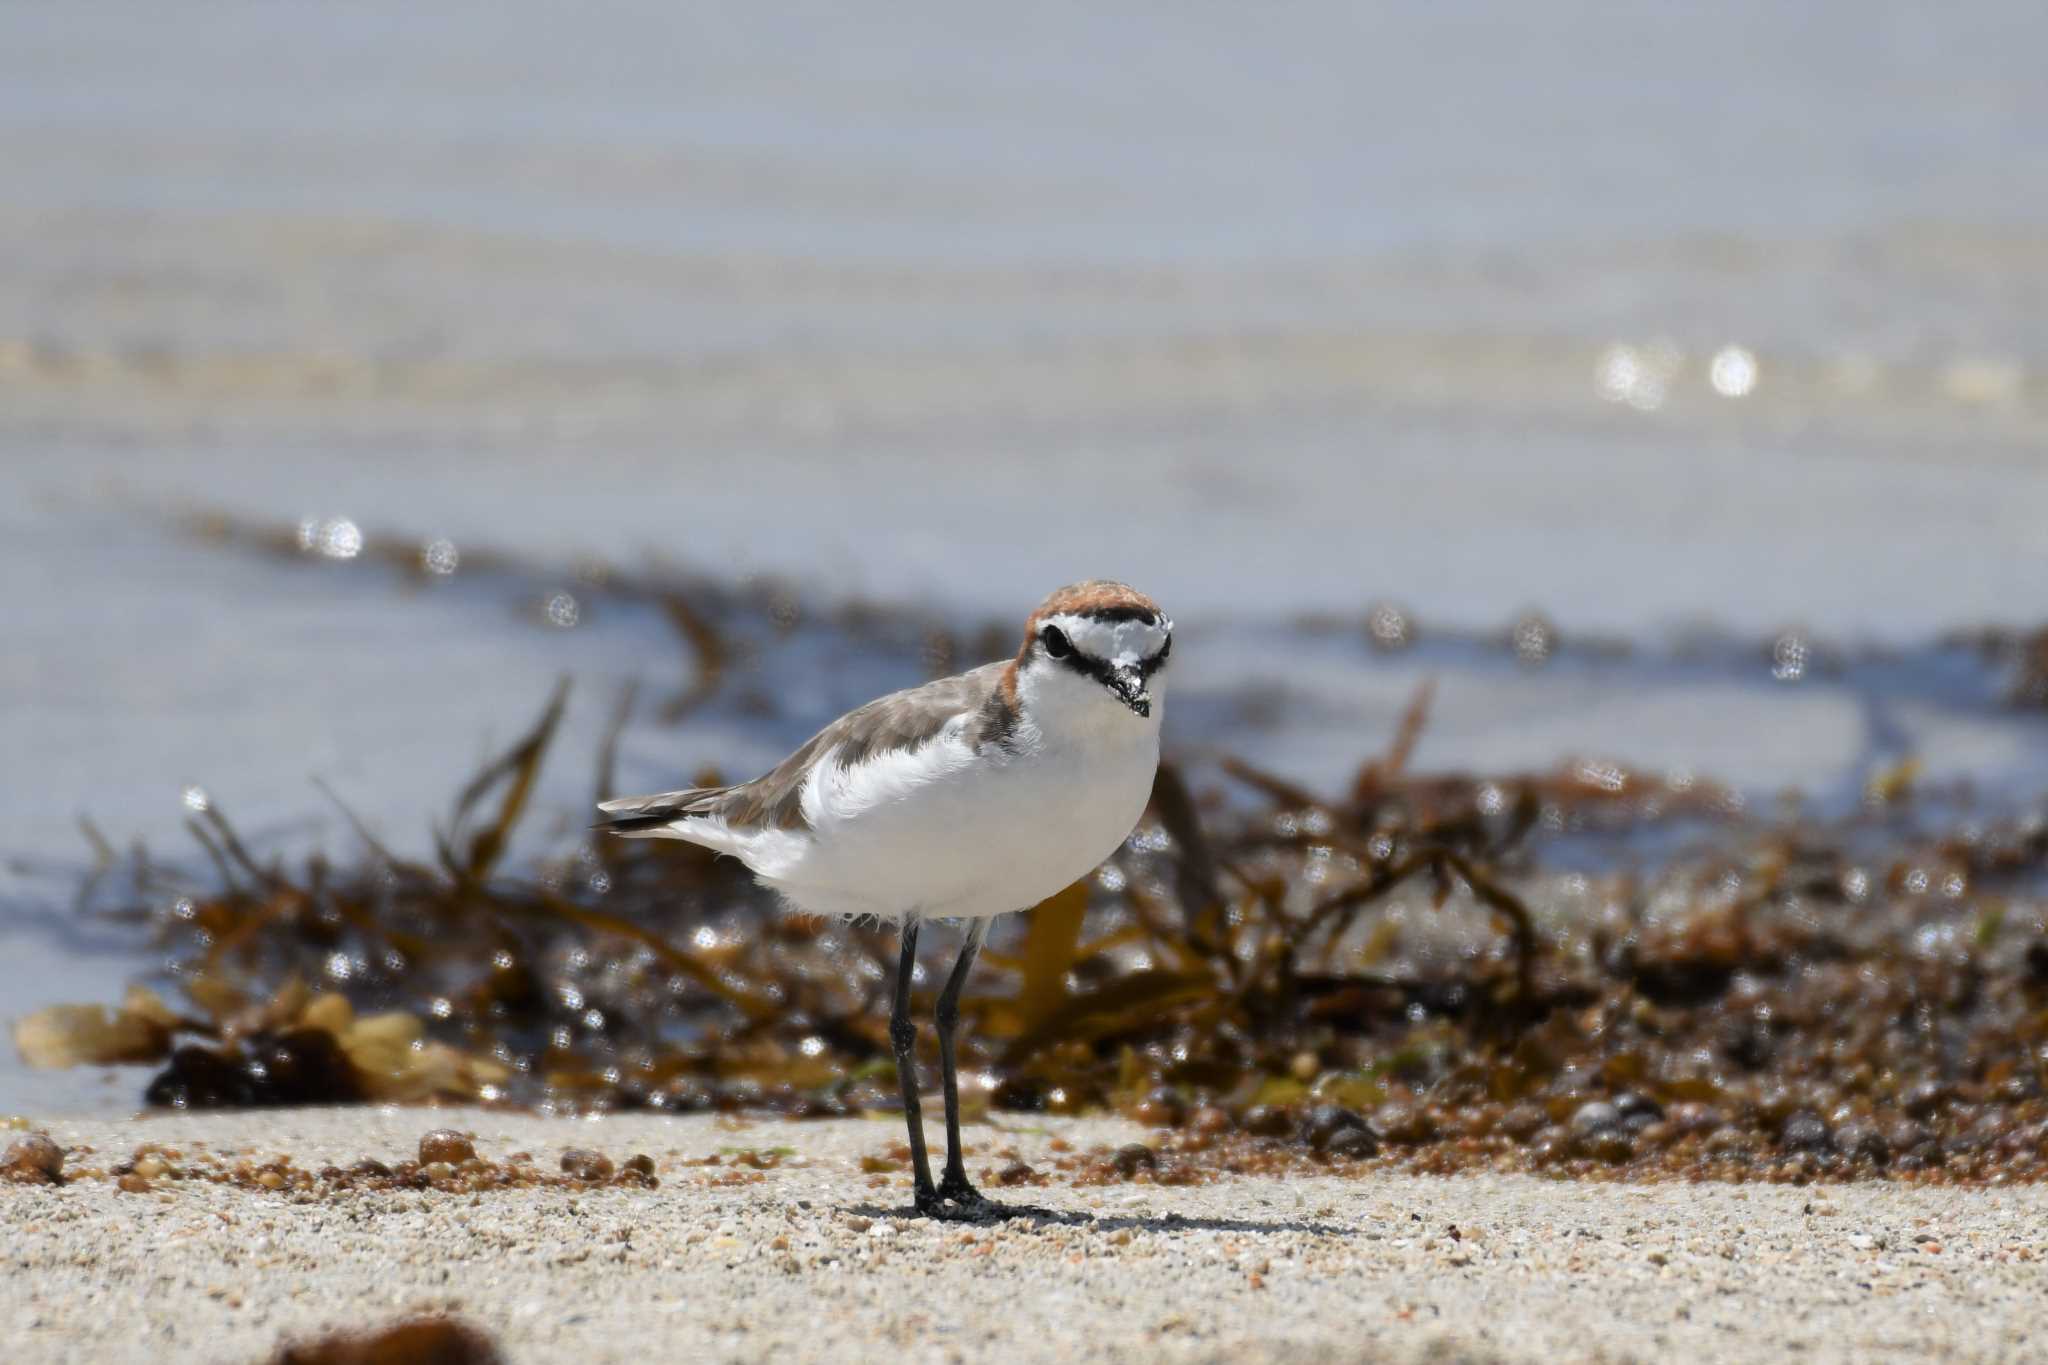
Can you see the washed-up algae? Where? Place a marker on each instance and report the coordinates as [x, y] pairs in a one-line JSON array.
[[1407, 972]]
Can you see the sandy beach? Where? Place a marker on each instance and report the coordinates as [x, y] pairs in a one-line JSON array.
[[813, 1258]]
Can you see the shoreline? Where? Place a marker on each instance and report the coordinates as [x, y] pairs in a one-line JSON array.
[[803, 1252]]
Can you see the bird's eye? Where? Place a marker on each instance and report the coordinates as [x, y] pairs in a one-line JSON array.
[[1055, 641]]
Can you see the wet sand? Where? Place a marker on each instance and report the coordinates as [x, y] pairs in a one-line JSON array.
[[814, 1260]]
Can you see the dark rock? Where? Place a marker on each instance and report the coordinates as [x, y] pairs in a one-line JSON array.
[[1016, 1173], [1595, 1116], [1637, 1109], [1552, 1142], [1612, 1145], [1352, 1142], [1864, 1139], [1325, 1121], [1747, 1043], [1402, 1123], [1924, 1098], [1806, 1131], [1133, 1157], [1266, 1120]]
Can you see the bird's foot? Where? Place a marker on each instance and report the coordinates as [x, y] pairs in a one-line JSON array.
[[956, 1201]]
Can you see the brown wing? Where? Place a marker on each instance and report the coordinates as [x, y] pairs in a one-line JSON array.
[[902, 720]]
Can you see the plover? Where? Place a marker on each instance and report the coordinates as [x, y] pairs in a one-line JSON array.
[[965, 798]]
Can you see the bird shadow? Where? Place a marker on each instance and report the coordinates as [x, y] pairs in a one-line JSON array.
[[1034, 1216]]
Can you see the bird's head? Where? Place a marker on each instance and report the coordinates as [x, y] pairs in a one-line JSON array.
[[1094, 644]]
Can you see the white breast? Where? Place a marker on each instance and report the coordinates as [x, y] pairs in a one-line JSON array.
[[943, 831]]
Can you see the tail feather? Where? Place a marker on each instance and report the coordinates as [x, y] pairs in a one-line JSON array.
[[641, 814]]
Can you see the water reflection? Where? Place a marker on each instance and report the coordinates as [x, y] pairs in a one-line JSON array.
[[1733, 372], [1638, 376], [440, 557]]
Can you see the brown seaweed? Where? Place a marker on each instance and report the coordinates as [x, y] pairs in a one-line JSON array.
[[1400, 962]]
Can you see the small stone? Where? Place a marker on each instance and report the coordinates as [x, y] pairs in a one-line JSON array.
[[132, 1183], [1864, 1139], [640, 1164], [1402, 1123], [1552, 1142], [1594, 1116], [1924, 1098], [1806, 1131], [1161, 1109], [1326, 1121], [1612, 1145], [1697, 1118], [1353, 1142], [151, 1167], [33, 1160], [446, 1145], [1633, 1102], [439, 1172], [1266, 1120], [1132, 1158], [859, 1223], [1016, 1173], [1210, 1119], [370, 1167], [270, 1180], [584, 1164]]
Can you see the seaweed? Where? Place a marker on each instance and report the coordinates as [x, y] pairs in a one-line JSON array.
[[1403, 962]]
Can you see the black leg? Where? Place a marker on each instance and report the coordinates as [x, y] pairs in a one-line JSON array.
[[955, 1185], [903, 1033]]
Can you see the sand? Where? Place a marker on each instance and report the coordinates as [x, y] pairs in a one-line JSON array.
[[812, 1262]]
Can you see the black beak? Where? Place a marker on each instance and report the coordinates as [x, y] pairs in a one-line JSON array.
[[1129, 686]]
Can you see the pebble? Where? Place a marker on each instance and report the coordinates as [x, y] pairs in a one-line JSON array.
[[1323, 1125], [33, 1160], [446, 1145], [1133, 1157], [585, 1164], [1806, 1131], [1594, 1116], [1267, 1120], [1161, 1109], [1402, 1123]]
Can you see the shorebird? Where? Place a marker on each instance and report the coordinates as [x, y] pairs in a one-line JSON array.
[[966, 798]]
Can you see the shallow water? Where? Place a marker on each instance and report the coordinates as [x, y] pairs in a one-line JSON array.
[[943, 309]]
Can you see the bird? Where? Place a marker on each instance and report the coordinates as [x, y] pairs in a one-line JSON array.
[[965, 798]]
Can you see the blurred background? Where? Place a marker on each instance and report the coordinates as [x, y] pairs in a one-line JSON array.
[[1668, 383]]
